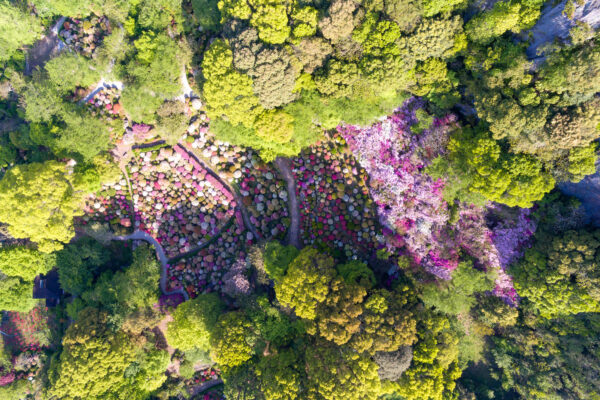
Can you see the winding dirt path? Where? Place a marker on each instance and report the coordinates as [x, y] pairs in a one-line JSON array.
[[284, 166]]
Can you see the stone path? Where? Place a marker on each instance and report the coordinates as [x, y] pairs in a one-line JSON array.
[[100, 86], [196, 390], [285, 168]]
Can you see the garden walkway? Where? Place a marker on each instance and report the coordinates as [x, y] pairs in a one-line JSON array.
[[285, 168]]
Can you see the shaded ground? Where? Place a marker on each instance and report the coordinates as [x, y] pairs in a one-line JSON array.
[[588, 192], [44, 48], [285, 168], [554, 24]]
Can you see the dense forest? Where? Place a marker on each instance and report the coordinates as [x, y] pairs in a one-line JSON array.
[[299, 199]]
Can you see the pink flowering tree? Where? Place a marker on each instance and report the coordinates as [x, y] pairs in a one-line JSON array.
[[410, 203]]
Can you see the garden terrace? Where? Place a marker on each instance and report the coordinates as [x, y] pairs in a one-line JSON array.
[[336, 209], [27, 331], [204, 271], [176, 200], [105, 103], [85, 35], [265, 196], [109, 208]]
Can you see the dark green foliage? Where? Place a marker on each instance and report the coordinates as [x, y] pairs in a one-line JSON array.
[[124, 292], [69, 70], [207, 13], [559, 276], [458, 295], [558, 360], [277, 258], [356, 272], [78, 264]]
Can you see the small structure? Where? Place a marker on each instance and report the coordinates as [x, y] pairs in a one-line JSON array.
[[47, 287]]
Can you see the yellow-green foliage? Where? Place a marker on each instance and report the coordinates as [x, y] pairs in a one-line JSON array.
[[306, 283], [275, 126], [93, 361], [16, 294], [571, 77], [436, 37], [434, 7], [278, 375], [387, 322], [337, 317], [228, 93], [582, 161], [232, 341], [560, 276], [504, 16], [434, 368], [514, 180], [338, 374], [305, 21], [39, 203], [194, 322], [25, 262], [271, 20]]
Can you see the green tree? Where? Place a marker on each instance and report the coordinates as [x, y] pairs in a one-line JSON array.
[[157, 65], [271, 20], [228, 93], [559, 276], [306, 283], [434, 368], [49, 8], [277, 259], [93, 361], [16, 295], [337, 316], [83, 135], [207, 13], [232, 342], [458, 295], [70, 70], [194, 322], [78, 263], [39, 204], [357, 272], [557, 360], [388, 321], [278, 375], [134, 288], [582, 161], [17, 29], [25, 262], [336, 373], [511, 179]]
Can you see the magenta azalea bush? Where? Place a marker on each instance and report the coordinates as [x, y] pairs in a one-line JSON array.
[[410, 204]]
